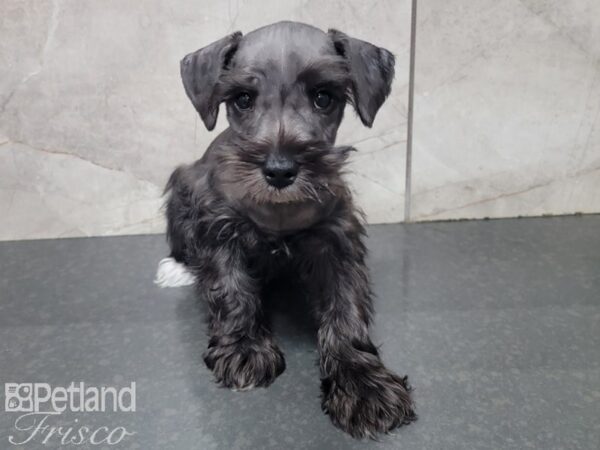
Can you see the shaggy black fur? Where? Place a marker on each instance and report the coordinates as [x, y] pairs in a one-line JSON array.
[[235, 232]]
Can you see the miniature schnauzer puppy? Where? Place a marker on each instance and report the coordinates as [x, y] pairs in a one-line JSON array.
[[268, 196]]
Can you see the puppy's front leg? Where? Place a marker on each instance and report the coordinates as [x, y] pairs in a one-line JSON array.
[[359, 393], [240, 352]]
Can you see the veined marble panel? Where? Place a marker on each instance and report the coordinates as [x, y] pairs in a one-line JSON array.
[[507, 109], [93, 116]]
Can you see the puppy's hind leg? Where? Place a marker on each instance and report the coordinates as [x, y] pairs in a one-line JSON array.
[[172, 271]]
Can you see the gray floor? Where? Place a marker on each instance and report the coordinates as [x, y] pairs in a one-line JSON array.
[[497, 324]]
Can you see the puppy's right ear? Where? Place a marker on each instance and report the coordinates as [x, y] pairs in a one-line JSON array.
[[200, 73]]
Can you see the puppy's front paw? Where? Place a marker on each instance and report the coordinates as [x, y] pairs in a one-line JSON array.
[[367, 402], [245, 364]]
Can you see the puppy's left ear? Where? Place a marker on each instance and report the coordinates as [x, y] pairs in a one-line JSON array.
[[200, 73], [371, 71]]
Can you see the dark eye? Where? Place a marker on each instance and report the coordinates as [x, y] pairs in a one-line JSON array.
[[244, 101], [323, 99]]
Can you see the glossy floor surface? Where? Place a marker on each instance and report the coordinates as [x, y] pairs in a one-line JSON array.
[[497, 324]]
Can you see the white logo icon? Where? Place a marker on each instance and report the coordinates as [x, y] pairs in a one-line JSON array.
[[18, 397]]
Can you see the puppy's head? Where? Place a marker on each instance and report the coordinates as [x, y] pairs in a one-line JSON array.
[[285, 87]]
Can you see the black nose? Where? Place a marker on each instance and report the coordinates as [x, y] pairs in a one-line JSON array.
[[280, 171]]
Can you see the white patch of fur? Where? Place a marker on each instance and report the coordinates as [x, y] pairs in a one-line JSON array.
[[171, 273], [244, 389]]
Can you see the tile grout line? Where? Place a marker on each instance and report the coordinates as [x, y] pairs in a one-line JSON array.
[[409, 128]]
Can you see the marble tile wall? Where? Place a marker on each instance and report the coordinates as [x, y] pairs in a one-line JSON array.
[[93, 116], [506, 113]]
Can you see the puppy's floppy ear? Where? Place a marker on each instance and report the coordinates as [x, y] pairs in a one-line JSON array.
[[200, 73], [371, 71]]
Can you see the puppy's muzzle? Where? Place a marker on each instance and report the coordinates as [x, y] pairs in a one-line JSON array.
[[280, 171]]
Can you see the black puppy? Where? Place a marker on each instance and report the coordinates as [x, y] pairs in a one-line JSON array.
[[268, 196]]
